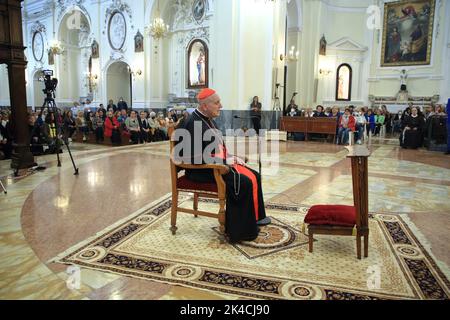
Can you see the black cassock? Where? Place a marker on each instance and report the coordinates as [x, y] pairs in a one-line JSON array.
[[243, 184], [412, 138]]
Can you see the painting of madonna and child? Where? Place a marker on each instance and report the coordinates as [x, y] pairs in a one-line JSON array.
[[407, 33], [197, 64]]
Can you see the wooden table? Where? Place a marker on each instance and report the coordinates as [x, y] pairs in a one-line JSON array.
[[309, 125]]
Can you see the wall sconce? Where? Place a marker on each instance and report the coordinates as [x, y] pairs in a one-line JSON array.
[[134, 73], [92, 79], [324, 72], [292, 56]]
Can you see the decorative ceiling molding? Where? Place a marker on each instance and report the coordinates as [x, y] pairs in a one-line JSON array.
[[346, 44], [64, 5], [199, 33]]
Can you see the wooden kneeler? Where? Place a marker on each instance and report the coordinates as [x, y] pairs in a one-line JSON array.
[[359, 157]]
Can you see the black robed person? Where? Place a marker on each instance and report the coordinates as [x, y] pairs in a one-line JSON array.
[[245, 204]]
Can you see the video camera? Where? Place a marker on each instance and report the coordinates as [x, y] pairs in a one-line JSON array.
[[50, 83]]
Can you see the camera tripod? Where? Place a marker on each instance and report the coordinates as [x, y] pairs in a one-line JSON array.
[[276, 105], [3, 187], [50, 104]]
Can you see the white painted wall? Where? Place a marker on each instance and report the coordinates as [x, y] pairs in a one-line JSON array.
[[245, 41]]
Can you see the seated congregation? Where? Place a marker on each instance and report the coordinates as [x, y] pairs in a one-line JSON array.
[[87, 124], [414, 127]]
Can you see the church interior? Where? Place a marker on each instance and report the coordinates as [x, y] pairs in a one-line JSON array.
[[336, 108]]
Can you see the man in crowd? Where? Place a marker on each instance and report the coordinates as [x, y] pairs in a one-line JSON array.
[[122, 105]]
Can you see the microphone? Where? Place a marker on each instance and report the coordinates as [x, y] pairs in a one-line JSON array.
[[295, 93], [237, 117]]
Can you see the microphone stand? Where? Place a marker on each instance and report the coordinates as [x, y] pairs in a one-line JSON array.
[[258, 143]]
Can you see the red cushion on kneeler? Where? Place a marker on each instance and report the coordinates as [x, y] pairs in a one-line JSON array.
[[185, 183], [336, 215]]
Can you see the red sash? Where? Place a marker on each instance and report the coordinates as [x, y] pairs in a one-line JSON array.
[[246, 172]]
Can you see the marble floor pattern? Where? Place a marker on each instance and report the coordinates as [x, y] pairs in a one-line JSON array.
[[114, 182]]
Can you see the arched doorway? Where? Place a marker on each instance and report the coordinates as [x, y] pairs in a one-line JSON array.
[[73, 64], [118, 82]]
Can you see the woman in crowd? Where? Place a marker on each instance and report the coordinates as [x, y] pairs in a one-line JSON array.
[[397, 122], [405, 116], [412, 133], [319, 112], [308, 113], [255, 113], [112, 129], [36, 136], [97, 125], [370, 120], [387, 118], [69, 126], [163, 125], [122, 117], [145, 128], [379, 121], [132, 126], [360, 125], [5, 137], [82, 125], [51, 133], [346, 124], [156, 134]]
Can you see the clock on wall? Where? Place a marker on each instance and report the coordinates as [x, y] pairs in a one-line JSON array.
[[198, 9], [117, 30], [38, 46]]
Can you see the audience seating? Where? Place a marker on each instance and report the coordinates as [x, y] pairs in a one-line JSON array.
[[78, 137]]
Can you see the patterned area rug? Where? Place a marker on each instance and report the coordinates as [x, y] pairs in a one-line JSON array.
[[277, 265]]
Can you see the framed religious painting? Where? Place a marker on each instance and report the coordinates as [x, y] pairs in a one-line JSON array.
[[344, 82], [94, 50], [197, 62], [199, 10], [117, 30], [407, 33], [138, 42], [38, 46]]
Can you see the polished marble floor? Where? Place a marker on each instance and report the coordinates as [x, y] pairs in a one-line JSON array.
[[46, 212]]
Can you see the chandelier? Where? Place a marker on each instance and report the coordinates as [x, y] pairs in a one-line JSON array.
[[56, 47], [158, 29]]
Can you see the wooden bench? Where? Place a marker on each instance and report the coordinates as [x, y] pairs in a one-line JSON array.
[[78, 137]]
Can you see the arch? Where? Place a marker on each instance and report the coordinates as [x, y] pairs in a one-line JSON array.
[[297, 6], [116, 75], [344, 82], [62, 15], [151, 8], [73, 63]]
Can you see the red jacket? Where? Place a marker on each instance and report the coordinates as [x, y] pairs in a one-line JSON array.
[[110, 126], [351, 123]]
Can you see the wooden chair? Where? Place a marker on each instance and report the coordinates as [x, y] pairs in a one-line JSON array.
[[343, 219], [180, 183]]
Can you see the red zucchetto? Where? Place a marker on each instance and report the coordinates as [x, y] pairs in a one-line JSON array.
[[205, 94]]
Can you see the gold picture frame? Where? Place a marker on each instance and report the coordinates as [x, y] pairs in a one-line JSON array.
[[407, 33]]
